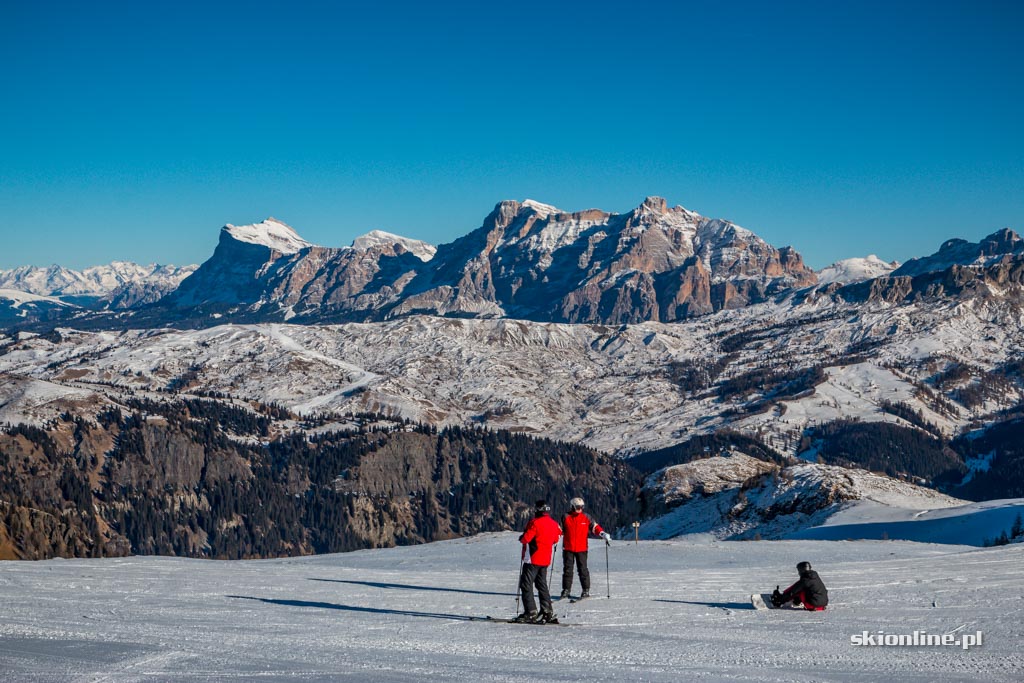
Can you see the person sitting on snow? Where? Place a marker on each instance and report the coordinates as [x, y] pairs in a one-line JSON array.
[[809, 591]]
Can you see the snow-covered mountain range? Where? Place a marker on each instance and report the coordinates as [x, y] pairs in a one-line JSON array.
[[119, 285], [527, 260]]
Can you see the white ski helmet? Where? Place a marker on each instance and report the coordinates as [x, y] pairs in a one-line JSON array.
[[576, 503]]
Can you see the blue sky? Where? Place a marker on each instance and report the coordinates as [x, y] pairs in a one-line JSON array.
[[135, 130]]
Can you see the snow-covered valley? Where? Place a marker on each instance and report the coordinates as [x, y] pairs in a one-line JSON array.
[[679, 611]]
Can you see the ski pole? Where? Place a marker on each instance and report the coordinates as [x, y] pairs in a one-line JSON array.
[[607, 580], [551, 572], [522, 561]]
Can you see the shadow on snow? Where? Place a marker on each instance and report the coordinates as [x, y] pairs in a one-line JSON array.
[[719, 605], [353, 608], [375, 584]]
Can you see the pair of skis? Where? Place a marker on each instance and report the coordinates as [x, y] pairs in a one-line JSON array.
[[499, 620]]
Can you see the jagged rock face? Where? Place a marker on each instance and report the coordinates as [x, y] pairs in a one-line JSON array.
[[1001, 279], [527, 260], [1001, 245], [236, 274], [654, 263]]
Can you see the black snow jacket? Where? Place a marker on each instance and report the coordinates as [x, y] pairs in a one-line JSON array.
[[810, 584]]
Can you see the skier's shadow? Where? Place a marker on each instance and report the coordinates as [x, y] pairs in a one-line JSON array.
[[377, 584], [719, 605], [353, 608]]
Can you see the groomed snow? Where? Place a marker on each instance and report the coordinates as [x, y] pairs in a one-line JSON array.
[[679, 612], [971, 524]]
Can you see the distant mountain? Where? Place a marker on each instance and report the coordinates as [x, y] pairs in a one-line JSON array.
[[1000, 246], [855, 270], [527, 260], [119, 285]]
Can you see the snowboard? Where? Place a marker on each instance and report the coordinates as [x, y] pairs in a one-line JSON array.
[[762, 601]]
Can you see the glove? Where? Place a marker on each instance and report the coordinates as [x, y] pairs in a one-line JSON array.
[[607, 538]]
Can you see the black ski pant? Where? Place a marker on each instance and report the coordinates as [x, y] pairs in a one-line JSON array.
[[580, 559], [533, 576]]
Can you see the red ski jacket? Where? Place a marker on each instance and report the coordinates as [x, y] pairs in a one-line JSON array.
[[542, 533], [578, 527]]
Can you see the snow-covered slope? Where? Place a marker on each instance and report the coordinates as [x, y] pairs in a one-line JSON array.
[[16, 306], [34, 402], [270, 233], [966, 524], [855, 269], [376, 238], [735, 496], [679, 611]]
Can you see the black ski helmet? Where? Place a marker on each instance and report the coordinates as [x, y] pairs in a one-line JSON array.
[[541, 506], [803, 567]]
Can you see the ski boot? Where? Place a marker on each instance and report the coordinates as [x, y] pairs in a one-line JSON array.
[[547, 618], [526, 618], [564, 594]]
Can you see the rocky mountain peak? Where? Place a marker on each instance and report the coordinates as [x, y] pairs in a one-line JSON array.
[[543, 210], [270, 233], [653, 205], [503, 214], [1003, 241], [960, 252]]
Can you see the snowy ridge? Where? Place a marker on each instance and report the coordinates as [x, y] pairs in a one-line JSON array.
[[95, 281], [1000, 245], [17, 298], [543, 210], [270, 233], [34, 402], [855, 270], [376, 238]]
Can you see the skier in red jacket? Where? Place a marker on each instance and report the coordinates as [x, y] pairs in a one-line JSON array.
[[578, 527], [540, 537]]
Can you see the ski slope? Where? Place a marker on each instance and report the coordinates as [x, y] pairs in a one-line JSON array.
[[970, 524], [679, 612]]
